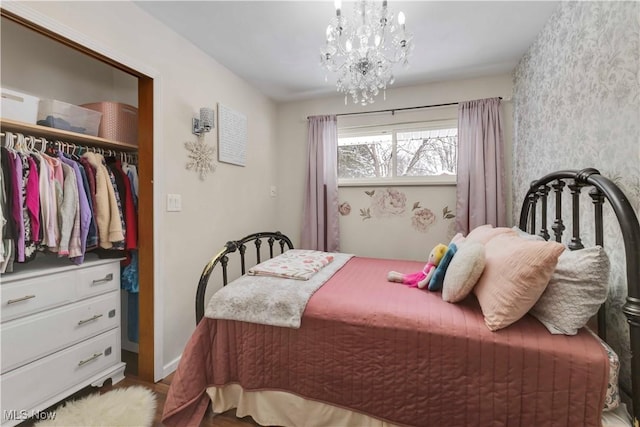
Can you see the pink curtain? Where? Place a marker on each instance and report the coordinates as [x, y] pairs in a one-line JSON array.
[[480, 176], [320, 214]]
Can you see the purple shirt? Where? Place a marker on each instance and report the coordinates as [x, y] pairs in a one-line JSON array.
[[33, 199], [85, 210]]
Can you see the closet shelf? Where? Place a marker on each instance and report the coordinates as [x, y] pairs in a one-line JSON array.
[[54, 134]]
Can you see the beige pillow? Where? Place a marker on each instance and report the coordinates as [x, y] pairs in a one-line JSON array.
[[575, 292], [463, 272], [484, 233], [516, 273]]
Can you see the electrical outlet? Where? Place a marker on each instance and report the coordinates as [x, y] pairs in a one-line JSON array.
[[174, 202]]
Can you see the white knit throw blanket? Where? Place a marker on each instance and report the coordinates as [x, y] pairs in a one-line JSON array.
[[270, 300]]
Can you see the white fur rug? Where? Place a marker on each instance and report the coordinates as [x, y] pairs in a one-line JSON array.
[[131, 406]]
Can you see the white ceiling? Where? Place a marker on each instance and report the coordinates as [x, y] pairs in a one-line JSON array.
[[275, 45]]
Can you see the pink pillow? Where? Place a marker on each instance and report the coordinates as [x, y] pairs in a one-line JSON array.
[[516, 273], [484, 233]]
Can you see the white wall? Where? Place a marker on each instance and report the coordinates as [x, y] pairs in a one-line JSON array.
[[232, 201], [35, 64], [384, 237]]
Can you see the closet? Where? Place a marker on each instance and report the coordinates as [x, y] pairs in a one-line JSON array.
[[42, 63]]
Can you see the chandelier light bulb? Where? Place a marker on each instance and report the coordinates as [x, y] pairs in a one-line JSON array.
[[401, 18], [363, 49]]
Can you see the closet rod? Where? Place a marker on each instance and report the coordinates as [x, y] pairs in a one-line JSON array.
[[393, 110], [73, 145]]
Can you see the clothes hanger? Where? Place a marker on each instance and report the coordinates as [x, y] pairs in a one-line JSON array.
[[31, 144], [43, 144], [20, 144], [8, 141]]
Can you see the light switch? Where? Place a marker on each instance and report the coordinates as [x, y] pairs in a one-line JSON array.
[[174, 202], [273, 191]]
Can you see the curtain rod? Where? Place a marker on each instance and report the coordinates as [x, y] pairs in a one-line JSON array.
[[393, 110]]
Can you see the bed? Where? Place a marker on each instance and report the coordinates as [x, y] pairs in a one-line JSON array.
[[365, 351]]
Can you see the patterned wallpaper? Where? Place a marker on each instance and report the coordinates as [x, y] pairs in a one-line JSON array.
[[577, 105]]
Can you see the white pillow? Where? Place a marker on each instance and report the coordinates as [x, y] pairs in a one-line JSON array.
[[575, 292], [463, 272]]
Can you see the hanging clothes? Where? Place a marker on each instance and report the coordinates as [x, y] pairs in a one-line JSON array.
[[106, 206], [8, 222], [129, 278], [57, 202], [84, 213]]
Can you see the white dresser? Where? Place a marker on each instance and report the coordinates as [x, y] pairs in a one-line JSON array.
[[59, 332]]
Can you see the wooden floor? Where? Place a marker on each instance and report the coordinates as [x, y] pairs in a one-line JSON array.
[[226, 419]]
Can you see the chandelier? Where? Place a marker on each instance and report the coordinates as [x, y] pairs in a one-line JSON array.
[[363, 50]]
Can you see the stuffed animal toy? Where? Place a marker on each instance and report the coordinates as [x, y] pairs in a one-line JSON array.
[[437, 278], [420, 279]]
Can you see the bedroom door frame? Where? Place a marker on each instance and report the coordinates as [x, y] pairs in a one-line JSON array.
[[150, 362]]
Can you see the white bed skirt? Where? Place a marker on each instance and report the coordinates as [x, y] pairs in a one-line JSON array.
[[279, 408]]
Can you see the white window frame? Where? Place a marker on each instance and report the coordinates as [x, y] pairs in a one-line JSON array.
[[394, 129]]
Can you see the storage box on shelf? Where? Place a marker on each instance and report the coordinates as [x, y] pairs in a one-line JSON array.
[[19, 106], [61, 115], [119, 121]]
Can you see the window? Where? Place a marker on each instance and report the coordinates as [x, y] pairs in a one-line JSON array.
[[411, 154]]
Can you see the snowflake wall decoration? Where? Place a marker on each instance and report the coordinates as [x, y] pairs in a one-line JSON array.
[[200, 158]]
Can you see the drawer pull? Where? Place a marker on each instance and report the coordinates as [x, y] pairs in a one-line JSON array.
[[85, 361], [91, 319], [24, 298], [107, 278]]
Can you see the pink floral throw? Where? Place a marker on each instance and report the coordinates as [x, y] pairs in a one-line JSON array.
[[299, 264]]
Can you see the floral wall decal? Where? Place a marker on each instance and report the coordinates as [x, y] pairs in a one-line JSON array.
[[344, 208], [388, 202], [447, 214], [409, 228], [423, 219], [365, 213]]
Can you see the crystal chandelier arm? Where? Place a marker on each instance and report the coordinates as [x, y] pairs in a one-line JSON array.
[[363, 50]]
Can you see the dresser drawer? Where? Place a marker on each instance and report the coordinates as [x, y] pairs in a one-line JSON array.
[[37, 294], [33, 337], [98, 279], [32, 384]]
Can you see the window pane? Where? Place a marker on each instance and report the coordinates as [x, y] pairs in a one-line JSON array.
[[365, 156], [427, 153]]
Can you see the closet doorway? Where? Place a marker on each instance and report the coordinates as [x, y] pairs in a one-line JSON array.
[[142, 364]]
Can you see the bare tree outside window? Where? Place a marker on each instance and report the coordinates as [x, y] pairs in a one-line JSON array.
[[365, 156], [427, 153], [420, 153]]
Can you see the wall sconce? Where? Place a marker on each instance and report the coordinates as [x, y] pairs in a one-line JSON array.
[[204, 123]]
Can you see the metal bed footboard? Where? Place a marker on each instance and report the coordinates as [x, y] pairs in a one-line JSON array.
[[241, 247]]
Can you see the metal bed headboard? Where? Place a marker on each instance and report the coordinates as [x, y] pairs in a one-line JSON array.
[[602, 189]]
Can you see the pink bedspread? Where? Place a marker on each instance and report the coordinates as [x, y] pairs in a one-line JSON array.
[[400, 354]]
